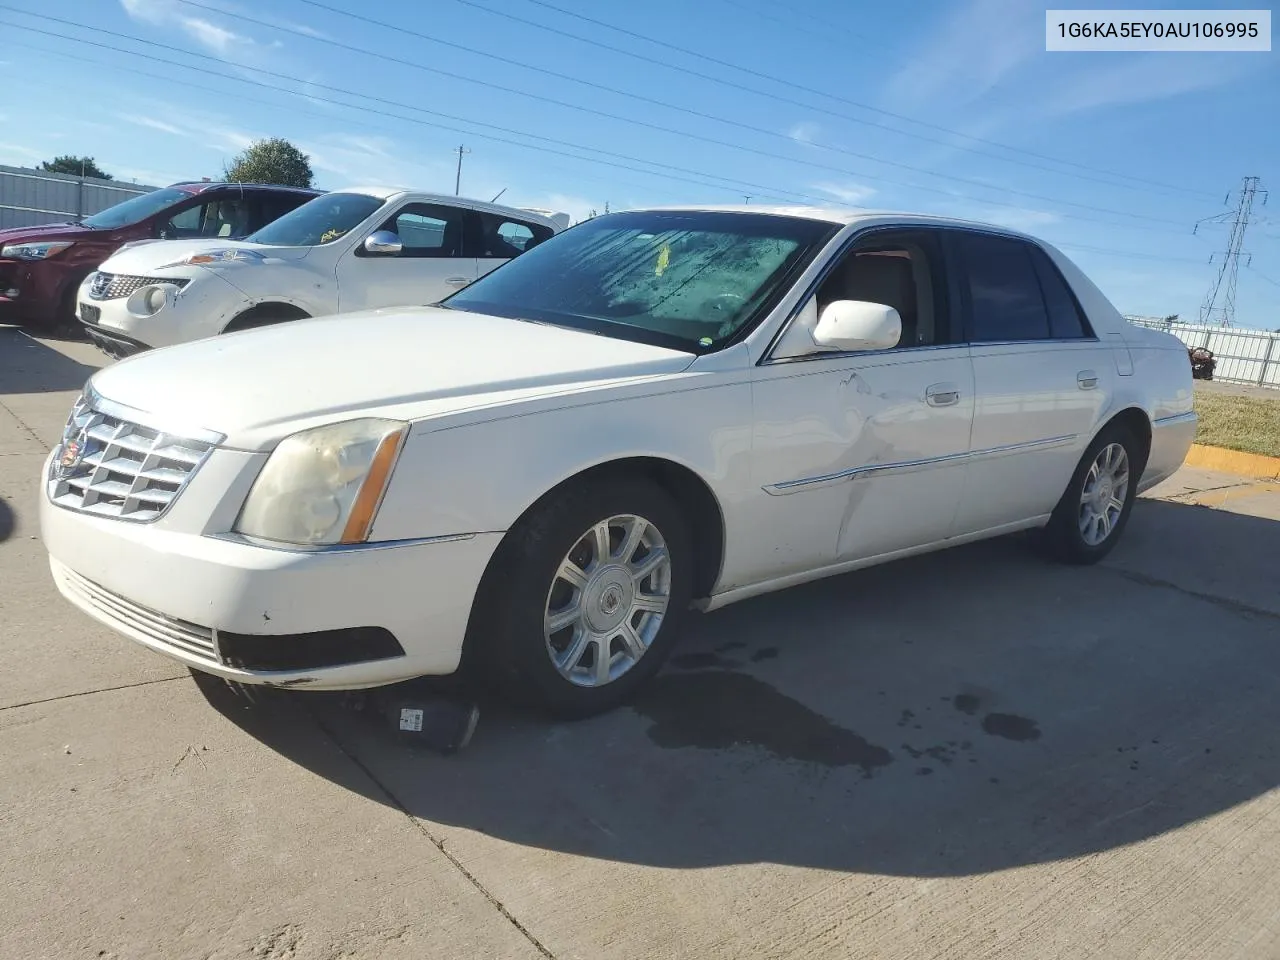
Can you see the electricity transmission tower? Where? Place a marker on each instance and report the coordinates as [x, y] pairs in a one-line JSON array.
[[1220, 302]]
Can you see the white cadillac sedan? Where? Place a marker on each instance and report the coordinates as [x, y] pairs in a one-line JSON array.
[[650, 412]]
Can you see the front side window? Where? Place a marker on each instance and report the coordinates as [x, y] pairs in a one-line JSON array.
[[427, 230], [319, 221], [900, 269], [1005, 299], [136, 209], [692, 280]]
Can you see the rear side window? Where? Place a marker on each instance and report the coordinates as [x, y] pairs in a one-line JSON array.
[[1004, 292], [1066, 322], [503, 238]]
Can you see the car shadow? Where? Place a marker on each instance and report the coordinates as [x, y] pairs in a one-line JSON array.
[[960, 713], [28, 365], [6, 520]]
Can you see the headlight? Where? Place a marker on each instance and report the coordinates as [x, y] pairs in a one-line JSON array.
[[323, 486], [149, 300], [39, 250]]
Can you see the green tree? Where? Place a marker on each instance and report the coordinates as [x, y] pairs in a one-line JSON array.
[[271, 161], [75, 166]]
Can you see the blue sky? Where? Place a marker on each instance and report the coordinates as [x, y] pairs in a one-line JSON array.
[[877, 105]]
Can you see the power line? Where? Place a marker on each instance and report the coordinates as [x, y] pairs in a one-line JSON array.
[[324, 116], [1123, 253], [1141, 182], [769, 192], [1274, 283], [423, 67], [397, 28], [783, 196]]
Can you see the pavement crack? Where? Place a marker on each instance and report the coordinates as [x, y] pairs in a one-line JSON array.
[[25, 426], [86, 693], [1235, 606], [437, 843]]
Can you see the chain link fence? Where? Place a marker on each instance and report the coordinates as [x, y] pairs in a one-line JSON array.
[[1242, 356]]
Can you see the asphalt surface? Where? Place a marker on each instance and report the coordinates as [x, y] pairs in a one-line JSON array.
[[968, 755]]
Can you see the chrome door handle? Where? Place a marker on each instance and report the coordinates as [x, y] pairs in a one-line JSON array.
[[1086, 379], [942, 395], [458, 281]]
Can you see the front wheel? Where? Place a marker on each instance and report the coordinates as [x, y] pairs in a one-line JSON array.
[[584, 599], [1093, 511]]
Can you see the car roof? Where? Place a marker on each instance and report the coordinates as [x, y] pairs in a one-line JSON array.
[[844, 217], [418, 196], [200, 186]]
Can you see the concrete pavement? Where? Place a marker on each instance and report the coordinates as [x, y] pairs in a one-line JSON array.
[[972, 754]]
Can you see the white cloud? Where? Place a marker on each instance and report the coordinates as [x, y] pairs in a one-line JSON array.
[[970, 52], [152, 123], [804, 132], [578, 208], [852, 193], [1142, 79], [1014, 218], [216, 38], [16, 155], [212, 36]]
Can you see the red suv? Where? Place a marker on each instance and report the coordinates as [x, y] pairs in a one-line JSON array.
[[41, 268]]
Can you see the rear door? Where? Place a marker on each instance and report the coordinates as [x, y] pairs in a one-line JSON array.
[[1042, 379], [431, 264], [496, 238]]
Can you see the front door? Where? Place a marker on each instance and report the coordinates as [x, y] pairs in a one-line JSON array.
[[430, 265], [864, 454], [1042, 380]]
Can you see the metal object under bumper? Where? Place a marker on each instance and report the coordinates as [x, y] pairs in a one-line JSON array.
[[114, 344]]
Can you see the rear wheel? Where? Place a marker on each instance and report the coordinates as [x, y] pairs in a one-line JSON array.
[[1095, 508], [584, 599]]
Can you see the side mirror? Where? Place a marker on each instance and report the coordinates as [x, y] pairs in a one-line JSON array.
[[383, 243], [849, 325]]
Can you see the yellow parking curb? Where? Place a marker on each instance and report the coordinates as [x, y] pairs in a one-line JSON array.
[[1233, 461]]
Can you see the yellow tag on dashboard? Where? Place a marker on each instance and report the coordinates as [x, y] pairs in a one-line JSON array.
[[664, 260]]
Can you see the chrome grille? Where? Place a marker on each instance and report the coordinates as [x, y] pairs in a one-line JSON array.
[[179, 636], [112, 286], [114, 467]]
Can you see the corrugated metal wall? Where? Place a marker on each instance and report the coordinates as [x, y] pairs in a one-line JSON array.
[[32, 197]]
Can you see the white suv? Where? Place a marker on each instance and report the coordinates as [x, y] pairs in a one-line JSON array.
[[353, 249]]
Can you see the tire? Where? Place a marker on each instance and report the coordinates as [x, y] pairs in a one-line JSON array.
[[508, 641], [1083, 528]]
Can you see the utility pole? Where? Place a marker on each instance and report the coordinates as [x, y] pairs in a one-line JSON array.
[[1229, 269], [457, 183]]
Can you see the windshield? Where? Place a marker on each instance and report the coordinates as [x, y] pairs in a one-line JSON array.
[[318, 221], [690, 279], [135, 210]]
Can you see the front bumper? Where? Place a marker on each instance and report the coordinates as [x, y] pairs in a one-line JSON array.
[[113, 343], [201, 308], [177, 592]]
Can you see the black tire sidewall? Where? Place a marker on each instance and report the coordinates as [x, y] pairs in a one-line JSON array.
[[512, 600], [1063, 531]]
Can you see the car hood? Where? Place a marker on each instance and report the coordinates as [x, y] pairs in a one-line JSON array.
[[46, 231], [410, 363], [147, 257]]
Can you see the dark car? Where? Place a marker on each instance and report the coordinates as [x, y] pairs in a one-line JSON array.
[[41, 268]]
